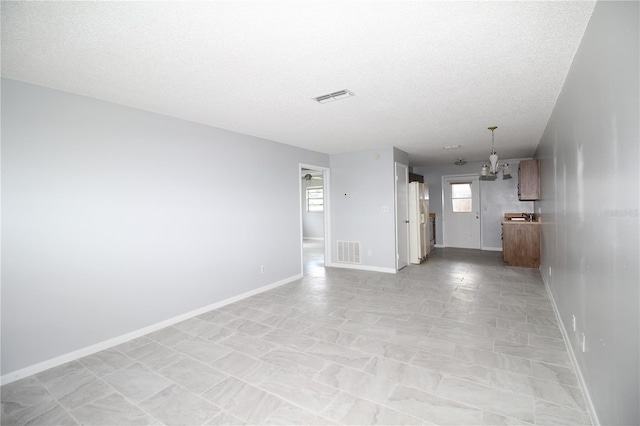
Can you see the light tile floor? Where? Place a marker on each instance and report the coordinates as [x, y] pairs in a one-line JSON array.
[[461, 339]]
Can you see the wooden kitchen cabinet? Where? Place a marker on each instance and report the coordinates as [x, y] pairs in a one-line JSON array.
[[528, 180], [521, 243]]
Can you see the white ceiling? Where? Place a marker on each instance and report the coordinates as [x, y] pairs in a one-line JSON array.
[[425, 74]]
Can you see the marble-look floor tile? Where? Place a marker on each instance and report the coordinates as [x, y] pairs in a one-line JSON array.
[[549, 414], [358, 383], [549, 356], [295, 362], [493, 419], [405, 374], [243, 400], [463, 339], [300, 391], [169, 336], [204, 329], [132, 344], [492, 359], [370, 330], [568, 396], [112, 410], [331, 335], [453, 367], [225, 419], [375, 347], [155, 355], [73, 385], [21, 395], [424, 343], [289, 339], [137, 382], [554, 373], [486, 398], [432, 408], [192, 375], [249, 327], [288, 414], [355, 315], [244, 367], [541, 330], [249, 345], [216, 317], [339, 354], [547, 343], [349, 410], [105, 362], [201, 349], [177, 406]]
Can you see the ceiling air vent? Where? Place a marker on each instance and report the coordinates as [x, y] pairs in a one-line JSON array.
[[335, 96]]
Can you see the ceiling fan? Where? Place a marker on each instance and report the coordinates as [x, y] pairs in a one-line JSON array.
[[308, 177]]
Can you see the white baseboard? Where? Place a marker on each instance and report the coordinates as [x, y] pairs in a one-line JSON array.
[[314, 238], [492, 248], [572, 355], [439, 246], [363, 267], [88, 350]]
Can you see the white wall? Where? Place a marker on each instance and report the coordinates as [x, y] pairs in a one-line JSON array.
[[590, 209], [496, 198], [115, 219], [362, 183], [312, 222]]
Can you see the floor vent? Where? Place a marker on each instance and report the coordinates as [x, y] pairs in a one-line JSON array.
[[348, 252]]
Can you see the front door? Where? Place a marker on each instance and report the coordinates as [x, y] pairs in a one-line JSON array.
[[461, 211]]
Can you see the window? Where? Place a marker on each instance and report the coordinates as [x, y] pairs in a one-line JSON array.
[[315, 199], [461, 197]]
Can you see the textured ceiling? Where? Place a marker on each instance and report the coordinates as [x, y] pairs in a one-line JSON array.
[[425, 74]]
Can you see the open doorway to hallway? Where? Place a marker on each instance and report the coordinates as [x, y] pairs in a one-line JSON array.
[[314, 210]]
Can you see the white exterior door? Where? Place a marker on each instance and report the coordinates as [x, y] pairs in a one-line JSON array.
[[402, 216], [461, 211]]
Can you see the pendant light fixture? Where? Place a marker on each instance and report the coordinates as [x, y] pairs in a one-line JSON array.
[[490, 170]]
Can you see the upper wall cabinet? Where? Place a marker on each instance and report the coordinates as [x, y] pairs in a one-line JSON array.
[[529, 180]]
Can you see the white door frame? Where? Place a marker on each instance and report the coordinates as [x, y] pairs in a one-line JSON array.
[[479, 210], [404, 226], [326, 188]]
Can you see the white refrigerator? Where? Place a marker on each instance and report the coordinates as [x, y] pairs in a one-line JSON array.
[[418, 222]]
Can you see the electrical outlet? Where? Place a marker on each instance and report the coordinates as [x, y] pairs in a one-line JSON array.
[[262, 269], [573, 322], [584, 343]]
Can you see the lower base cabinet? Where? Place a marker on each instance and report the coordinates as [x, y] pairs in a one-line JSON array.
[[521, 244]]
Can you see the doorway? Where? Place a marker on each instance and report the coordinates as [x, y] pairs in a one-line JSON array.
[[314, 227], [461, 211]]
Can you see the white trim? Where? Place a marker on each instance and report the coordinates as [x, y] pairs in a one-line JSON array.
[[572, 355], [364, 267], [492, 248], [314, 238], [88, 350], [439, 246]]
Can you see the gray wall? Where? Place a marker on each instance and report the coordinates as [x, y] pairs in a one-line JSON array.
[[115, 219], [361, 184], [496, 198], [590, 233], [312, 222]]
